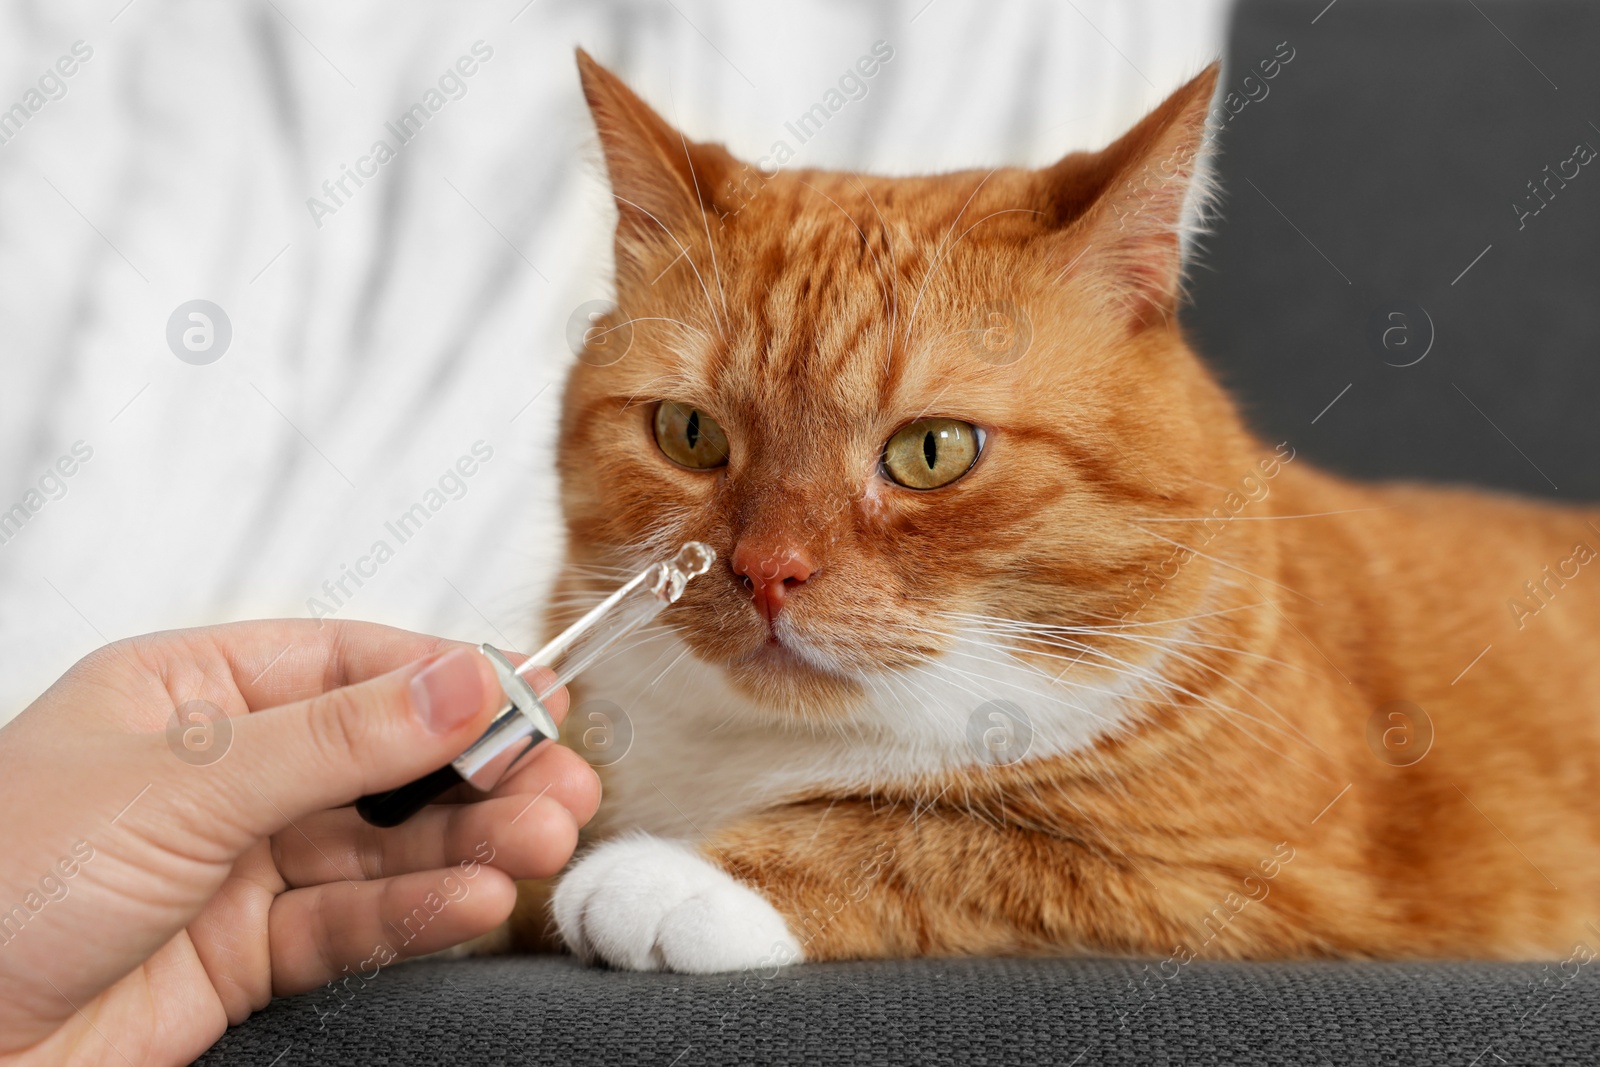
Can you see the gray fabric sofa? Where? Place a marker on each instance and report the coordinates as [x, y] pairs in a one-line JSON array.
[[957, 1012], [1376, 176]]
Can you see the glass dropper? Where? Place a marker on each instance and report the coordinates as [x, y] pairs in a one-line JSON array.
[[523, 722]]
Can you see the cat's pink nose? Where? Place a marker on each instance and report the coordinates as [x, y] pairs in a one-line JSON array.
[[772, 570]]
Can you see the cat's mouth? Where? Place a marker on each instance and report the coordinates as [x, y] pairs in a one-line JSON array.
[[787, 674], [782, 649], [786, 653]]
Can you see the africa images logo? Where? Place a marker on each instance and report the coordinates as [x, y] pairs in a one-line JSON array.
[[452, 86]]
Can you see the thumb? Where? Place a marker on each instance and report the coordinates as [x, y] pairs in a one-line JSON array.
[[365, 738]]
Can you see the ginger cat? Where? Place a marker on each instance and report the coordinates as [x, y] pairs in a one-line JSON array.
[[1019, 641]]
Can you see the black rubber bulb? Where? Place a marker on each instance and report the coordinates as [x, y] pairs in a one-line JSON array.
[[398, 805]]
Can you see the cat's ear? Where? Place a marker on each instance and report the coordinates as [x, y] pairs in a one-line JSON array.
[[664, 183], [1125, 211]]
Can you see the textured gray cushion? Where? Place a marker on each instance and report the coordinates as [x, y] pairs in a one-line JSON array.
[[552, 1010]]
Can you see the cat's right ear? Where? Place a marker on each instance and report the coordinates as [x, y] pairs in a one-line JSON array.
[[665, 184]]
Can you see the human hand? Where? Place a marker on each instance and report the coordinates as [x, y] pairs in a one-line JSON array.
[[152, 894]]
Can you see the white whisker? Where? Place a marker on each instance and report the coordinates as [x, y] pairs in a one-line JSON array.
[[927, 275], [1261, 518], [682, 248], [1225, 563]]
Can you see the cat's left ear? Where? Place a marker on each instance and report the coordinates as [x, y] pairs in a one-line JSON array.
[[1124, 211]]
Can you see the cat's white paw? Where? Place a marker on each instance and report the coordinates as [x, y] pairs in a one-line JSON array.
[[648, 904]]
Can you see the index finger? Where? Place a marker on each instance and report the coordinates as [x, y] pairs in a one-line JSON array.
[[281, 661]]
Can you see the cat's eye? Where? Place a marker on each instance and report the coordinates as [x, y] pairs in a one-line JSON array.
[[689, 436], [929, 453]]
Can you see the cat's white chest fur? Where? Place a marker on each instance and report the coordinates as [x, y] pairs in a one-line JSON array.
[[702, 755]]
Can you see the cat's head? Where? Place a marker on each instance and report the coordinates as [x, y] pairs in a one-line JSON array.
[[906, 412]]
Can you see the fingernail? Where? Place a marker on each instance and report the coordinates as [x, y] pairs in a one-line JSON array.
[[448, 692]]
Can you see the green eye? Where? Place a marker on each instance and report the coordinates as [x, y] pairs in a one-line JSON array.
[[690, 437], [930, 453]]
